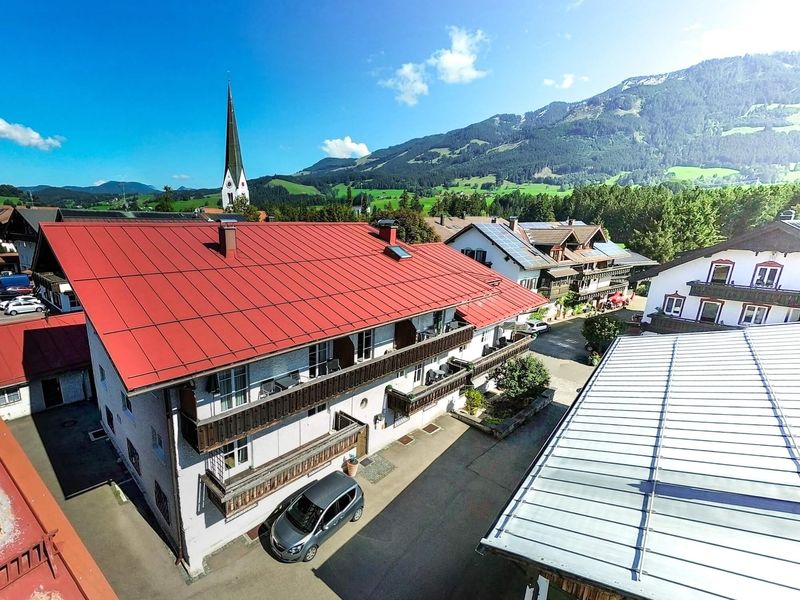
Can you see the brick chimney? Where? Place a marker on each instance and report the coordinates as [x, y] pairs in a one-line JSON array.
[[512, 223], [387, 231], [227, 238], [441, 219]]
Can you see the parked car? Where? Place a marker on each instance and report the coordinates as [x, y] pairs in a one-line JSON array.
[[5, 303], [537, 326], [17, 306], [314, 515]]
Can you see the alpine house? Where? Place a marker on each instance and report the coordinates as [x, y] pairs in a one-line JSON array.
[[236, 362]]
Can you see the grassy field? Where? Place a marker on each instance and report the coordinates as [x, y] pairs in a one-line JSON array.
[[534, 188], [692, 173], [295, 188], [9, 200]]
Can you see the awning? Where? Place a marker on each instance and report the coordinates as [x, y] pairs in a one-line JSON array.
[[562, 272]]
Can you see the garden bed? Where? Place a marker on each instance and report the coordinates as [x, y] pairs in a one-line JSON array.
[[502, 427]]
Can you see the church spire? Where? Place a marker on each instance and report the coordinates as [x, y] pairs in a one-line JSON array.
[[234, 183]]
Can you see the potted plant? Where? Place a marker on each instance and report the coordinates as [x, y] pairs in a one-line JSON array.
[[351, 466]]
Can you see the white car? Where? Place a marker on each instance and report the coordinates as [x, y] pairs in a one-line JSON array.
[[18, 306], [538, 326], [5, 303]]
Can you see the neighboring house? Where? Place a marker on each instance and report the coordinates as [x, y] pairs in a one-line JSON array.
[[42, 557], [22, 229], [44, 362], [750, 279], [237, 362], [447, 227], [498, 247], [673, 475]]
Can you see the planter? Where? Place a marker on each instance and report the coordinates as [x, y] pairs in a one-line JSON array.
[[351, 467], [503, 429]]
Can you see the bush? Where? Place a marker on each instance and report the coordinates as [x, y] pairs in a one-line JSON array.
[[643, 288], [601, 330], [523, 379], [475, 400]]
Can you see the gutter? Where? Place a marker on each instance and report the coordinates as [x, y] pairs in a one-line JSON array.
[[176, 498]]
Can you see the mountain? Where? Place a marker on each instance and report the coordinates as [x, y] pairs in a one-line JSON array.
[[742, 113], [108, 187]]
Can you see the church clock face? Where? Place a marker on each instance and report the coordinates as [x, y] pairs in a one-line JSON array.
[[230, 184]]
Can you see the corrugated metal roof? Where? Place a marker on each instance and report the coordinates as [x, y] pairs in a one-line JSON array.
[[166, 303], [522, 253], [611, 249], [562, 272], [32, 348], [676, 472], [36, 215]]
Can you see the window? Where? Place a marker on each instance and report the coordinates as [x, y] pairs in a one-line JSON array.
[[102, 374], [754, 315], [232, 387], [673, 305], [236, 453], [483, 337], [480, 256], [793, 315], [157, 443], [709, 311], [9, 396], [318, 356], [110, 419], [133, 456], [230, 196], [766, 276], [345, 501], [365, 344], [161, 502], [529, 283], [468, 252], [720, 273], [126, 403], [73, 299], [438, 320], [418, 373], [317, 409]]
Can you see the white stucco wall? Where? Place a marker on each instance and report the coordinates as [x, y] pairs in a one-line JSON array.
[[75, 386], [500, 262], [237, 189], [674, 281]]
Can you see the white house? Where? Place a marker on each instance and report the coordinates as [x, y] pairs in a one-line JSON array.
[[751, 279], [236, 362], [44, 362]]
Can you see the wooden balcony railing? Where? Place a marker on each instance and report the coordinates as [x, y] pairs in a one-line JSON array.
[[745, 293], [408, 403], [661, 323], [216, 431], [609, 273], [599, 293], [495, 358], [246, 489]]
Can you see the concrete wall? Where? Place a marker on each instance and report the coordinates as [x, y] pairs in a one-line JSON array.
[[500, 262], [674, 280], [25, 251], [75, 386]]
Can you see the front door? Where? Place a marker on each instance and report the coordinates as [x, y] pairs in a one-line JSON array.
[[51, 390]]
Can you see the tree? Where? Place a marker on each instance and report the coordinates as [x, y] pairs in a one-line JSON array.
[[403, 202], [415, 204], [411, 225], [164, 203], [601, 330], [241, 206], [335, 212], [523, 379]]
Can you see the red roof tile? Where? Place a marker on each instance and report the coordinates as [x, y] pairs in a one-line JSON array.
[[148, 288], [32, 348]]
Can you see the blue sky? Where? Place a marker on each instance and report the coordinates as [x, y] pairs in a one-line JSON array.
[[136, 91]]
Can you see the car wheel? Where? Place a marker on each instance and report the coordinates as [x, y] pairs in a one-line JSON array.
[[310, 554], [357, 514], [39, 309], [13, 313]]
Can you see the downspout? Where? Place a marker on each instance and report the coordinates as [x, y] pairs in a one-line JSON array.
[[179, 557]]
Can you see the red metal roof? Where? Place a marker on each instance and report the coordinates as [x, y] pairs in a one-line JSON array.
[[32, 348], [509, 300], [166, 303], [30, 519]]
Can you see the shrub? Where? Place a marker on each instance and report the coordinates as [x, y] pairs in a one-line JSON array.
[[594, 358], [475, 400], [523, 378], [538, 315], [601, 330]]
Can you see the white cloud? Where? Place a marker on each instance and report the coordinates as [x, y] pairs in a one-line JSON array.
[[457, 63], [25, 136], [549, 82], [99, 182], [181, 176], [409, 82], [344, 148], [567, 81]]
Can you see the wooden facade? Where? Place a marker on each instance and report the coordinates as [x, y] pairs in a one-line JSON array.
[[216, 431], [745, 293], [408, 404], [520, 345], [661, 323]]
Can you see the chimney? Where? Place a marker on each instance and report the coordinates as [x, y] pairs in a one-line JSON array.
[[512, 223], [270, 219], [441, 219], [227, 238], [387, 231], [494, 219], [570, 221], [786, 215]]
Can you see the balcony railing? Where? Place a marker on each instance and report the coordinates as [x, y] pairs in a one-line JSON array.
[[661, 323], [610, 272], [745, 293], [408, 403], [218, 430], [246, 489], [600, 292], [554, 291], [498, 356]]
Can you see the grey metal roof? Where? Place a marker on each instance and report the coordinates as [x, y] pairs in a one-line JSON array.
[[523, 254], [634, 259], [676, 474], [611, 249], [34, 216]]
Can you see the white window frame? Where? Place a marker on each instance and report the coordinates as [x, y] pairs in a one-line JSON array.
[[767, 271], [418, 371], [10, 396], [238, 452], [673, 312], [714, 267], [318, 356], [365, 344], [719, 311], [529, 282], [793, 315], [757, 310], [231, 393]]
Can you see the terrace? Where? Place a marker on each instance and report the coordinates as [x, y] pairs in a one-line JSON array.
[[745, 293]]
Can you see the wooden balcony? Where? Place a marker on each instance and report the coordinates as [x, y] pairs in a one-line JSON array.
[[661, 323], [497, 357], [609, 273], [745, 293], [246, 489], [408, 403], [218, 430], [601, 292], [554, 291]]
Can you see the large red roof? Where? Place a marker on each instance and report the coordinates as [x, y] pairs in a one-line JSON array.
[[33, 348], [166, 303]]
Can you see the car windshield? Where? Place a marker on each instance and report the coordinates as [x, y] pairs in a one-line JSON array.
[[303, 514]]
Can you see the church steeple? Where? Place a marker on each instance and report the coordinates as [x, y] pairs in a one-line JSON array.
[[234, 183]]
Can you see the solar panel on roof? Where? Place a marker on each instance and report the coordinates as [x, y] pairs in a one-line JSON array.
[[512, 245]]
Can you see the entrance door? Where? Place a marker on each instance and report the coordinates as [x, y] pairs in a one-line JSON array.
[[51, 390]]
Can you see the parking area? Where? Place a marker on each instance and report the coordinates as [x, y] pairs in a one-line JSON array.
[[417, 538]]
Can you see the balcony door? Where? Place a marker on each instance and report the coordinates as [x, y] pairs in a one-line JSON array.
[[766, 277], [720, 273], [709, 311]]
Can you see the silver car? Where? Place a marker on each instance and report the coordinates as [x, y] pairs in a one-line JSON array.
[[314, 515], [24, 305]]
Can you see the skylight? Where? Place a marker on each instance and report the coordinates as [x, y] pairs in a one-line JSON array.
[[397, 252]]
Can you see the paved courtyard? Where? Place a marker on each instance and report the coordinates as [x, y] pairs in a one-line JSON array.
[[417, 538]]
